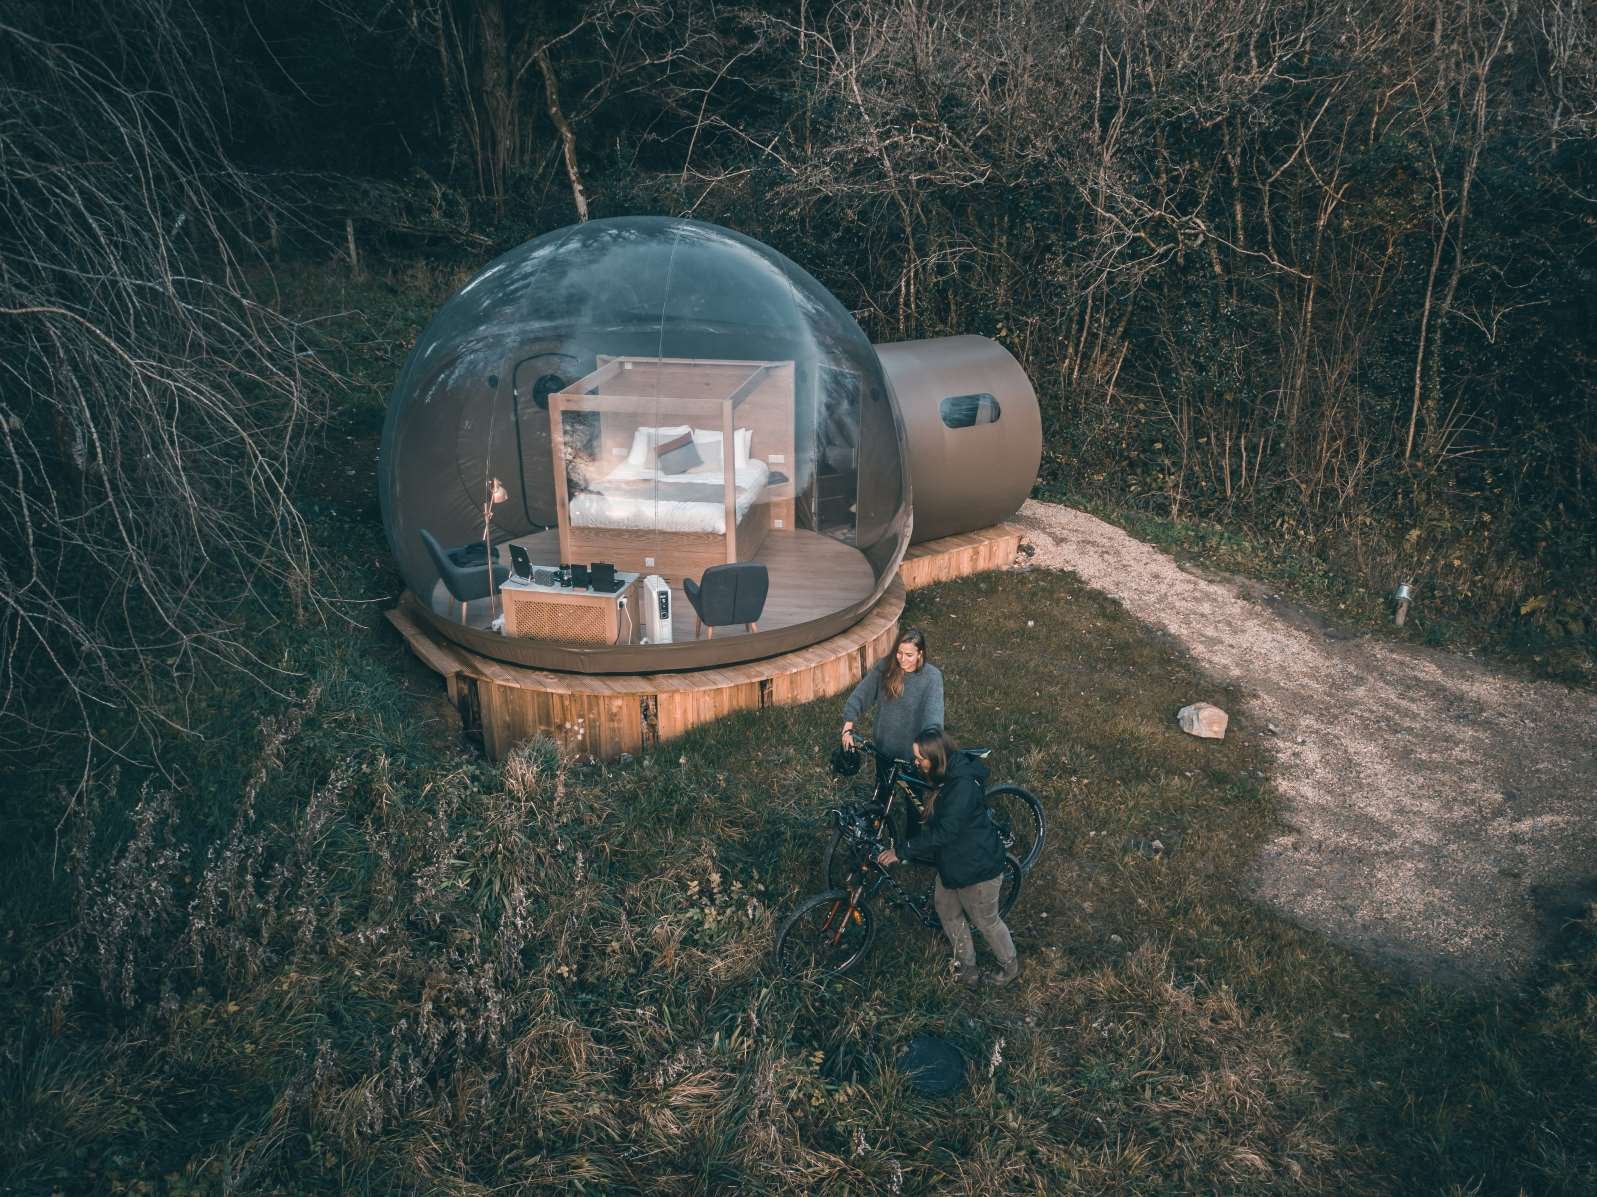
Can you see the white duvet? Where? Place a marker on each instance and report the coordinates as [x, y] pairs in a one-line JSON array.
[[642, 498]]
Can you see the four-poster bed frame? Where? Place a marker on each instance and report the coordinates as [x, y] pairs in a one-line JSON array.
[[626, 393]]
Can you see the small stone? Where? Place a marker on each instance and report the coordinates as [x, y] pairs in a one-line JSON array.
[[1203, 719], [1114, 939], [1272, 729]]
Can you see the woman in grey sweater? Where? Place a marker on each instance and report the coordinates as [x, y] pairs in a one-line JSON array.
[[907, 691]]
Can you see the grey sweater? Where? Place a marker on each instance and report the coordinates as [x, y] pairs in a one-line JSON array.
[[898, 720]]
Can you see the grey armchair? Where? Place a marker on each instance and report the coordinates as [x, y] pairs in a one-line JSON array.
[[464, 583], [731, 593]]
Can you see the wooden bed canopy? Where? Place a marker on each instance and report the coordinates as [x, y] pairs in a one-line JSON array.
[[627, 393]]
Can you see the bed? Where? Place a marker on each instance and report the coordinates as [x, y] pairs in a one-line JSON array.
[[640, 498], [622, 505]]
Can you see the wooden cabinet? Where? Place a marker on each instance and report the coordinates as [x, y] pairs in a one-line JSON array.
[[570, 615]]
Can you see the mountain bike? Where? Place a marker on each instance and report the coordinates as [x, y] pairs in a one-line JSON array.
[[1015, 810], [830, 932]]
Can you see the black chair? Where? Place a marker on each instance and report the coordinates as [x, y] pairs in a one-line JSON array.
[[465, 582], [731, 593]]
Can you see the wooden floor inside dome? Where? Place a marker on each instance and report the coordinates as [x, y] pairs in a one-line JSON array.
[[811, 576]]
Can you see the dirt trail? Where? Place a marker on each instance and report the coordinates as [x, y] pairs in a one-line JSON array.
[[1440, 817]]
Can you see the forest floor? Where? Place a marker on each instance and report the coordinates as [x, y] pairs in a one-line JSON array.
[[1438, 812]]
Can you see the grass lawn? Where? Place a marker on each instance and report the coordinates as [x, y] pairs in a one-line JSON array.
[[326, 950], [347, 956]]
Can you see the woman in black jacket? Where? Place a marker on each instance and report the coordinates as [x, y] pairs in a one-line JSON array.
[[962, 842]]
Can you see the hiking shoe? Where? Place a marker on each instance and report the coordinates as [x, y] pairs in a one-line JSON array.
[[1004, 974], [964, 975]]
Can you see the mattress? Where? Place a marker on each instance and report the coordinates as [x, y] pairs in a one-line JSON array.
[[644, 499]]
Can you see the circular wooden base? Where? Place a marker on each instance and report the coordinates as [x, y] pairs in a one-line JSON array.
[[604, 715]]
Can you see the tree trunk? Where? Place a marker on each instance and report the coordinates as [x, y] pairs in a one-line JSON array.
[[493, 66], [568, 138]]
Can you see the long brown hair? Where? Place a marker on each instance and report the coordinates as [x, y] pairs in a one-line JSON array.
[[893, 675], [938, 747]]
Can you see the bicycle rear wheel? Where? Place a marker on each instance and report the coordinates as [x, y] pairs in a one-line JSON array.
[[1019, 818], [1009, 891], [840, 860], [824, 935]]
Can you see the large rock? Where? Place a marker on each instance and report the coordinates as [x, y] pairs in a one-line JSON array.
[[1203, 719]]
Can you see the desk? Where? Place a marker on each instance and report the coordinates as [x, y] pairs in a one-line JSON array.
[[576, 616]]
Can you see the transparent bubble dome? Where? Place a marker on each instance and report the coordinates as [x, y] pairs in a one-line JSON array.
[[666, 398]]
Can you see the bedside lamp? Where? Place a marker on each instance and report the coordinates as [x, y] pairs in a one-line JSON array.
[[496, 495]]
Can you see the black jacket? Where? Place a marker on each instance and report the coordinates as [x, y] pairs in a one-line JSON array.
[[960, 838]]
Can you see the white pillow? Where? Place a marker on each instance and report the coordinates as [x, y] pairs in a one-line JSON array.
[[709, 444], [645, 440]]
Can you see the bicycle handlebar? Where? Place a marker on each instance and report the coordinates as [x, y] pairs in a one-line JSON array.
[[855, 828], [907, 772], [861, 744]]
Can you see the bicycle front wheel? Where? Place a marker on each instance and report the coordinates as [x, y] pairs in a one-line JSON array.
[[1018, 816], [826, 935]]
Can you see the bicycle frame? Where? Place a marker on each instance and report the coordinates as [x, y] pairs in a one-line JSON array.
[[868, 887], [889, 778], [863, 831]]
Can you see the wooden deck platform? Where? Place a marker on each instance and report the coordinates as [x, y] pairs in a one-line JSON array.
[[957, 556], [604, 715], [607, 714]]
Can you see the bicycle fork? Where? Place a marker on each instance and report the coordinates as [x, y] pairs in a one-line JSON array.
[[850, 913]]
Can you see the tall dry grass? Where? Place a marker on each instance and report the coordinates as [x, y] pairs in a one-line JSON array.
[[370, 963]]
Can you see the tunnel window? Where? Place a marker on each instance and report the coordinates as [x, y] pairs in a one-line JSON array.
[[547, 385], [966, 411]]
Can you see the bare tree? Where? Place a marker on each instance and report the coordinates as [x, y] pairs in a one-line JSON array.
[[488, 56], [151, 411]]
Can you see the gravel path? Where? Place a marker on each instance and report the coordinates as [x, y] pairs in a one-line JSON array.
[[1439, 817]]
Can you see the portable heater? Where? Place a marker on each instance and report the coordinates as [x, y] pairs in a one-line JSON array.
[[656, 616]]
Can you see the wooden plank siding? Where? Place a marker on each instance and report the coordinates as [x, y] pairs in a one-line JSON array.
[[605, 715], [958, 556]]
